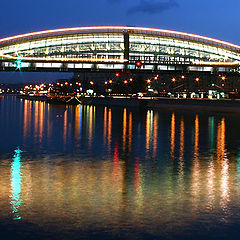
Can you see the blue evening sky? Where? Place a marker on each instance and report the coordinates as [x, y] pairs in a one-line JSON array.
[[214, 18]]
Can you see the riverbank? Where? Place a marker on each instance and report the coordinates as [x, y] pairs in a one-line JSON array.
[[56, 100], [223, 105], [220, 105]]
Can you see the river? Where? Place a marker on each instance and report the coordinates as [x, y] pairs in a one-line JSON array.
[[97, 172]]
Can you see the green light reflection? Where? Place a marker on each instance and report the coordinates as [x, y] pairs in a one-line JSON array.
[[212, 133], [16, 200]]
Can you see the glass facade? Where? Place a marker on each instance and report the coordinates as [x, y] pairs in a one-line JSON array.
[[109, 46], [158, 49], [90, 46]]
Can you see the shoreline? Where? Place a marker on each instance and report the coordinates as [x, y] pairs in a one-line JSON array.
[[222, 105]]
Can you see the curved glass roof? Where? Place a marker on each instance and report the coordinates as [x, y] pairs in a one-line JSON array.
[[108, 44]]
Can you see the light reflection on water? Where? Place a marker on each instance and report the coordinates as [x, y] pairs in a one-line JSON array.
[[16, 184], [92, 168]]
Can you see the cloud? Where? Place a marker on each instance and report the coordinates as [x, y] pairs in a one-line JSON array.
[[152, 6]]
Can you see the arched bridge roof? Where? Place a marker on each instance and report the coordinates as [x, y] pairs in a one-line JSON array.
[[118, 44], [109, 29]]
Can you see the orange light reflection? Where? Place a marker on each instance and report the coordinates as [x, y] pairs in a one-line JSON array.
[[196, 167], [124, 129], [155, 134], [109, 128], [105, 126], [148, 129], [130, 132], [173, 127], [181, 151]]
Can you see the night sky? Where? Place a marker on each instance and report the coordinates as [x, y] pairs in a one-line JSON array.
[[214, 18]]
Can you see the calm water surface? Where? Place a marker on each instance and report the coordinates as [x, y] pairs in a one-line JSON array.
[[95, 172]]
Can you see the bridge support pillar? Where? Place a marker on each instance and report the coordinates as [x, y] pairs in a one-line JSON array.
[[126, 49]]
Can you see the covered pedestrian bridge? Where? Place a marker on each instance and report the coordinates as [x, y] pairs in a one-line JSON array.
[[114, 48]]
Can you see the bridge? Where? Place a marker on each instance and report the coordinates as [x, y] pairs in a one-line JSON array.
[[117, 48]]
